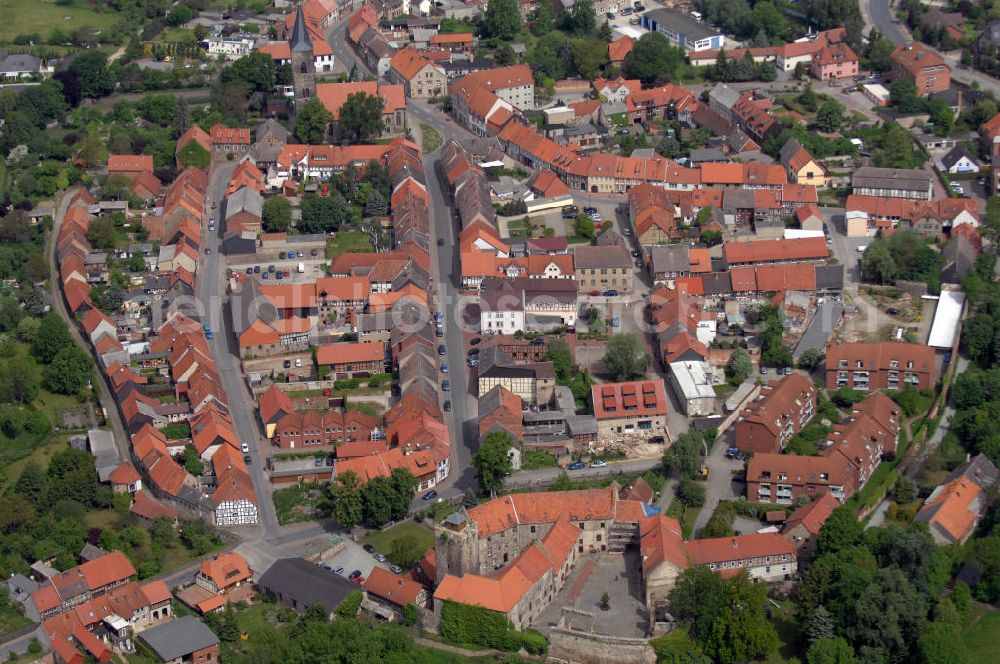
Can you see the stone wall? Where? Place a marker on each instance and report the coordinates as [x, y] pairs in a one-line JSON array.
[[916, 289], [573, 646]]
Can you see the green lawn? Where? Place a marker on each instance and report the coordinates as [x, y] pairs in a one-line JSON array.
[[533, 460], [432, 138], [348, 241], [42, 16], [177, 431], [11, 620], [178, 35], [783, 618], [982, 635], [300, 503], [366, 407], [686, 515], [383, 540]]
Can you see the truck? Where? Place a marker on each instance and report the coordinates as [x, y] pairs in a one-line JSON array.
[[302, 268]]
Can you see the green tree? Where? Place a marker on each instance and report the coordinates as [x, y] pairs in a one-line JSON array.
[[70, 371], [348, 504], [584, 226], [311, 122], [101, 233], [492, 462], [32, 483], [808, 98], [741, 631], [625, 357], [905, 490], [562, 360], [277, 214], [19, 380], [878, 51], [91, 71], [903, 95], [841, 531], [403, 485], [409, 615], [544, 19], [53, 335], [361, 116], [821, 626], [770, 19], [653, 58], [255, 71], [833, 650], [878, 264], [194, 154], [830, 116], [351, 605], [691, 493], [684, 455], [192, 462], [378, 497], [405, 551], [739, 367], [502, 20], [580, 18], [810, 359], [589, 56], [897, 149], [942, 643]]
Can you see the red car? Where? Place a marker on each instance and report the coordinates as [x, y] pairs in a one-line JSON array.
[[356, 577], [594, 293]]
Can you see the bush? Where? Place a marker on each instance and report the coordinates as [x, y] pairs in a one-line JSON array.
[[691, 493], [534, 642], [349, 607], [846, 397], [463, 624]]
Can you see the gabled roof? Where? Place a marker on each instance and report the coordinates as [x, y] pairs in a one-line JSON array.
[[274, 404], [813, 515]]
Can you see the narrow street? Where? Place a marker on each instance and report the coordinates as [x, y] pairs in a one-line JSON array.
[[225, 352]]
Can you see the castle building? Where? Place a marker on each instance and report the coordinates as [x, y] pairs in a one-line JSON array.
[[303, 66]]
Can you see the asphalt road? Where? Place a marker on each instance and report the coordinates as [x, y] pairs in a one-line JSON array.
[[881, 15], [210, 290]]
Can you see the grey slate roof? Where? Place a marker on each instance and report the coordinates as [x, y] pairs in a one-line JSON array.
[[717, 283], [698, 155], [788, 150], [892, 178], [245, 200], [829, 277], [980, 470], [180, 637], [298, 580], [300, 41], [670, 258], [724, 96], [19, 62], [956, 154], [591, 257]]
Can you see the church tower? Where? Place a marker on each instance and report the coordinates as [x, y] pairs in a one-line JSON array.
[[303, 65]]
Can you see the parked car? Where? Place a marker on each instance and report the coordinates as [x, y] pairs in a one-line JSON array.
[[270, 268], [441, 350], [208, 250], [266, 275], [763, 371], [339, 569], [475, 341], [318, 462], [473, 352], [299, 253], [356, 577], [287, 364], [256, 269], [616, 321], [611, 293], [892, 311], [590, 209], [368, 548], [279, 275], [430, 495], [444, 368], [445, 386], [246, 459], [395, 569], [447, 406], [298, 362], [281, 255], [635, 254], [379, 557], [656, 440], [610, 16], [249, 270], [537, 341], [598, 464], [245, 448], [579, 465], [440, 241], [329, 461], [732, 452], [314, 252], [210, 335]]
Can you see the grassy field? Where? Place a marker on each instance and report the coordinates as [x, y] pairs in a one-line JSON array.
[[42, 16], [686, 515], [348, 241], [383, 540], [366, 407], [783, 618], [11, 620], [533, 460], [432, 138], [982, 635]]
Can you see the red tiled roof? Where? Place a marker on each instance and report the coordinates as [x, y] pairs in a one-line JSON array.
[[346, 353], [391, 587], [813, 515], [223, 135], [130, 163], [762, 251], [124, 474]]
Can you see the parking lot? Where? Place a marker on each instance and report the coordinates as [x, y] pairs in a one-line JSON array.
[[353, 557], [260, 266]]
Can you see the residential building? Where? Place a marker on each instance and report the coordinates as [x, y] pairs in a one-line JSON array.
[[803, 525], [80, 584], [779, 412], [323, 429], [500, 410], [533, 382], [182, 641], [334, 95], [955, 507], [630, 412], [851, 453], [603, 268], [229, 140], [922, 66], [879, 366], [682, 29], [393, 591], [802, 167], [299, 584], [519, 304], [835, 61], [775, 251], [960, 160], [619, 49], [224, 573], [23, 65], [421, 78]]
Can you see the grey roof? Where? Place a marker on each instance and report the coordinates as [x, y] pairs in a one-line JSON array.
[[682, 23], [788, 150], [91, 552], [18, 62], [245, 200], [581, 425], [583, 130], [829, 277], [956, 154], [738, 199], [670, 258], [300, 41], [959, 259], [699, 155], [300, 581], [251, 305], [179, 637], [603, 257], [609, 238], [716, 283], [892, 178], [489, 402], [101, 444], [722, 94], [980, 470]]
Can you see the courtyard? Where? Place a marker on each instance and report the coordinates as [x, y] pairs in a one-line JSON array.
[[619, 576]]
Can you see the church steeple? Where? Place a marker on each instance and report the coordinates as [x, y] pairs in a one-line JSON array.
[[300, 41]]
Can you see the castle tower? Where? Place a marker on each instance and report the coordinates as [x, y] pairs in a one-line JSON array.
[[457, 547], [303, 65]]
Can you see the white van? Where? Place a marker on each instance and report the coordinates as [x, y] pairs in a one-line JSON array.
[[302, 268], [861, 248]]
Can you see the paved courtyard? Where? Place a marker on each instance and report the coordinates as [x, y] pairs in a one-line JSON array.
[[594, 575]]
